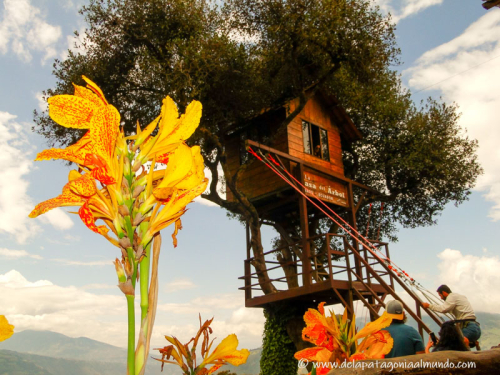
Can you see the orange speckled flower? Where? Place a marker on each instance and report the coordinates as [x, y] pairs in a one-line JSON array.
[[132, 199], [86, 109], [337, 341]]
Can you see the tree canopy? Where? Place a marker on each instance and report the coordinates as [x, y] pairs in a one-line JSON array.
[[248, 55]]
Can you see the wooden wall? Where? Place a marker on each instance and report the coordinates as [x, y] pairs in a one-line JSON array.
[[258, 180], [317, 114]]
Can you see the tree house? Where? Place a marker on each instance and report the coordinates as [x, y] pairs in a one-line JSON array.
[[309, 265]]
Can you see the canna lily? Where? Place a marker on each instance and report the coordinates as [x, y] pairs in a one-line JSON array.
[[185, 357], [6, 329], [87, 109], [76, 192], [133, 200], [226, 353], [337, 341]]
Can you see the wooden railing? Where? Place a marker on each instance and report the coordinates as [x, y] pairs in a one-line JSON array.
[[358, 267]]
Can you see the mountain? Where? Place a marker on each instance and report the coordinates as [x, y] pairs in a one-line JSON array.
[[14, 363], [49, 353], [52, 344]]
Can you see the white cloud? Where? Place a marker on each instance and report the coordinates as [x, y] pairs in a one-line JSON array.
[[76, 44], [23, 29], [69, 262], [401, 9], [16, 254], [15, 205], [72, 311], [58, 219], [453, 69], [204, 304], [76, 312], [42, 104], [98, 286], [15, 165], [476, 277], [179, 284], [247, 324], [14, 280]]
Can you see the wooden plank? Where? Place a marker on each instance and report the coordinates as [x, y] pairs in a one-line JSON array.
[[295, 132]]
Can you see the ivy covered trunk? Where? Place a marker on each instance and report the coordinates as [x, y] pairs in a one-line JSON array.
[[282, 338]]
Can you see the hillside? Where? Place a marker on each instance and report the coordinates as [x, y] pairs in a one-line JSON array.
[[50, 353], [13, 363], [52, 344]]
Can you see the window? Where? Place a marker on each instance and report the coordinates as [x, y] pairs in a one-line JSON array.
[[315, 141]]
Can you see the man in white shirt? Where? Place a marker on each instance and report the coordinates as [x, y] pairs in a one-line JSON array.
[[460, 307]]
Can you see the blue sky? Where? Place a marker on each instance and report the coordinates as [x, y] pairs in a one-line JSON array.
[[55, 274]]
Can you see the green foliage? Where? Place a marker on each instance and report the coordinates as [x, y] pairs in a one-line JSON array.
[[247, 55], [277, 348]]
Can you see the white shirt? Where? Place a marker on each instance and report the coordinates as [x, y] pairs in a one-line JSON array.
[[456, 304]]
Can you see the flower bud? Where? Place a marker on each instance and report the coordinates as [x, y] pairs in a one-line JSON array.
[[120, 272], [127, 288], [138, 190], [123, 210], [126, 167], [125, 242], [129, 268], [138, 219]]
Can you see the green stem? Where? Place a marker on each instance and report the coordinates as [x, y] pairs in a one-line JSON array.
[[131, 256], [131, 336], [144, 276]]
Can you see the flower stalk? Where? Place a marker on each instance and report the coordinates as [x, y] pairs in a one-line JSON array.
[[129, 187]]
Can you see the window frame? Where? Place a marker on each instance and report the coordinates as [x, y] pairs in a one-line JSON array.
[[324, 146]]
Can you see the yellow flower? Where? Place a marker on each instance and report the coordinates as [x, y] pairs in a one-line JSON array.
[[372, 327], [376, 345], [173, 129], [224, 353], [6, 329], [185, 357]]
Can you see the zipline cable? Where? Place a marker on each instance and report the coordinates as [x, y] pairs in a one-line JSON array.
[[402, 275]]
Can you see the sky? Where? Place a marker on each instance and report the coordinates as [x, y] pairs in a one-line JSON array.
[[57, 275]]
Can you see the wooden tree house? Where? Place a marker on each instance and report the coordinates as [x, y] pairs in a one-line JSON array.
[[309, 265]]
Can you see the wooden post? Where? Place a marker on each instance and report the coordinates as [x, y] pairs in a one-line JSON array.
[[352, 222], [304, 226], [248, 268], [350, 298], [419, 314]]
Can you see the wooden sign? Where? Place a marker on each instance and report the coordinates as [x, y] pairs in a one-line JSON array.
[[325, 189]]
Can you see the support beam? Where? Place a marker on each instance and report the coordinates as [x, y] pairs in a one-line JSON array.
[[304, 227]]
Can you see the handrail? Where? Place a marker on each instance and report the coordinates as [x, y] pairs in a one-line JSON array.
[[393, 293]]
